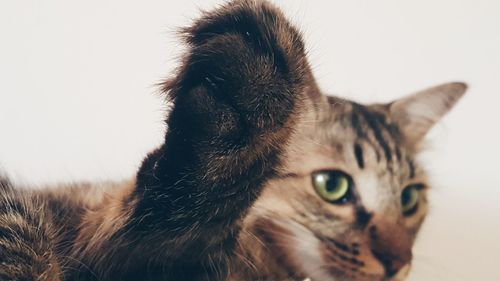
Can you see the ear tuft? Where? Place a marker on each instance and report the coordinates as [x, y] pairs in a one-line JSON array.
[[416, 114]]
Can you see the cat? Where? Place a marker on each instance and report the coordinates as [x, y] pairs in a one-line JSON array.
[[261, 176]]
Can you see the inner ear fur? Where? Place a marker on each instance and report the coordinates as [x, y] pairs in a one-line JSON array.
[[417, 113]]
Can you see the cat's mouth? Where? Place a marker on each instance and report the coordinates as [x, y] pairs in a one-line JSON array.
[[350, 261], [357, 261], [326, 259], [320, 257]]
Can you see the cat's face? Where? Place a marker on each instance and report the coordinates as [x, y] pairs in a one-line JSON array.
[[351, 196]]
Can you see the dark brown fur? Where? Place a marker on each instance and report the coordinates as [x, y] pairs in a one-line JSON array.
[[228, 195], [235, 95]]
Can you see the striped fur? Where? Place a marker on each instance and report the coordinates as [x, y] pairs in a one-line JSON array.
[[27, 237], [228, 195]]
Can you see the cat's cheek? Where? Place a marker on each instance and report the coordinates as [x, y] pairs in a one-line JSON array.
[[297, 248], [307, 252], [315, 260]]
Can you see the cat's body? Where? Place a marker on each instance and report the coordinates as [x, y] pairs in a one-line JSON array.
[[229, 196]]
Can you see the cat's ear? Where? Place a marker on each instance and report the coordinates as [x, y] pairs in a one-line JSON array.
[[416, 114]]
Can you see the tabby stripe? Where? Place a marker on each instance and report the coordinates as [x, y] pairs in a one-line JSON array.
[[411, 167], [358, 153], [357, 124], [375, 125]]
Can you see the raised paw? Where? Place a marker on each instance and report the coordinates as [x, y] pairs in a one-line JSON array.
[[245, 72]]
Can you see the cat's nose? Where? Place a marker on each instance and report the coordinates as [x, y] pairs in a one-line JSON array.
[[391, 245]]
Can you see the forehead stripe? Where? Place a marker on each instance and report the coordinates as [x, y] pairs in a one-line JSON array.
[[411, 167], [358, 127], [358, 153], [374, 121]]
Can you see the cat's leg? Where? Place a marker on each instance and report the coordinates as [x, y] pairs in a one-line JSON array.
[[236, 98], [26, 238]]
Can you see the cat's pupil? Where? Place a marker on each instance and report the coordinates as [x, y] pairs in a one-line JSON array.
[[410, 198], [406, 196], [332, 183]]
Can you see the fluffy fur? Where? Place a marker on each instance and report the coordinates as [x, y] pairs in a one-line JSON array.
[[228, 196]]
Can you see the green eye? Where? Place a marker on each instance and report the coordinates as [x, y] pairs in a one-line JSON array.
[[332, 186], [409, 198]]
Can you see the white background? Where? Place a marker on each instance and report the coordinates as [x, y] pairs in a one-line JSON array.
[[78, 97]]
